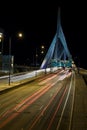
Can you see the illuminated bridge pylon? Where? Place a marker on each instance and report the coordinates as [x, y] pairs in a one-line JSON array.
[[58, 53]]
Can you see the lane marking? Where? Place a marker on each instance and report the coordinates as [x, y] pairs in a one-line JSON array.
[[60, 102], [72, 103], [64, 105], [45, 108]]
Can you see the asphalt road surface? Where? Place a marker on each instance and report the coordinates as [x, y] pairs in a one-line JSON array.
[[48, 103]]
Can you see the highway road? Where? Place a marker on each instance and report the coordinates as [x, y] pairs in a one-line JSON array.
[[44, 104]]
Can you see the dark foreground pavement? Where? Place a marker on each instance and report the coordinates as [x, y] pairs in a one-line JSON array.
[[79, 120]]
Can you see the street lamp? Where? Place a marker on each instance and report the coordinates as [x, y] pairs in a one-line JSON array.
[[20, 35], [1, 49], [9, 58], [1, 40], [0, 37], [42, 49], [36, 56]]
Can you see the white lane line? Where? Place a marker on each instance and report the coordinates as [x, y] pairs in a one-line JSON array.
[[72, 103], [65, 104], [41, 107]]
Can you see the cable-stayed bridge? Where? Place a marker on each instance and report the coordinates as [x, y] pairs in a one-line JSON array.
[[58, 53]]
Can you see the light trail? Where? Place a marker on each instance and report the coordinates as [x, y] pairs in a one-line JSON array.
[[20, 107], [65, 104], [43, 111], [59, 104]]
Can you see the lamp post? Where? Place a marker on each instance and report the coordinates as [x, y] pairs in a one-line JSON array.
[[42, 52], [9, 59], [1, 49], [36, 56], [20, 35], [1, 40]]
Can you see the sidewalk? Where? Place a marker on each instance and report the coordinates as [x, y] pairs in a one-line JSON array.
[[5, 85], [18, 80]]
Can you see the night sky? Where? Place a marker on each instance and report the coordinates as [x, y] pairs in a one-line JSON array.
[[38, 22]]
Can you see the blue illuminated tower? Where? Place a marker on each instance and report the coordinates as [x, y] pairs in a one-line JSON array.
[[58, 53]]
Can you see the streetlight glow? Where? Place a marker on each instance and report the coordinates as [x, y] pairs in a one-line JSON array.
[[42, 47], [1, 40], [1, 36], [20, 35], [42, 52]]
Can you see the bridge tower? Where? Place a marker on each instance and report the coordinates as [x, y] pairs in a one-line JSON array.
[[58, 53]]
